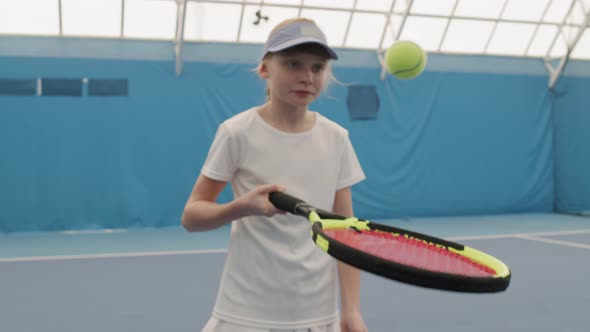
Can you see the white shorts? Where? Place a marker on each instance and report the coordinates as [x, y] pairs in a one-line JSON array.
[[216, 325]]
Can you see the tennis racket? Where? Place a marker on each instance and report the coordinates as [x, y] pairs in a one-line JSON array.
[[399, 254]]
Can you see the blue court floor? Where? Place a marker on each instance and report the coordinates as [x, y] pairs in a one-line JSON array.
[[166, 279]]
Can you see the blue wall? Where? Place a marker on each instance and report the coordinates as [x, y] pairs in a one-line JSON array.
[[476, 140], [572, 127], [454, 144]]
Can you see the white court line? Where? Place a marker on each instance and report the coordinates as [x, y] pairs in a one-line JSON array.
[[94, 231], [558, 242], [527, 236], [112, 255], [518, 235]]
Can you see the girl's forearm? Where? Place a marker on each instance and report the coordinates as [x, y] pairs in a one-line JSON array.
[[204, 215], [350, 281]]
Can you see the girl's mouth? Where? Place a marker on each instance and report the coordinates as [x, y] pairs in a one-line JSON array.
[[302, 94]]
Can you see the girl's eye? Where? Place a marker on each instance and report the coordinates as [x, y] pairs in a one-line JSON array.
[[293, 64], [317, 68]]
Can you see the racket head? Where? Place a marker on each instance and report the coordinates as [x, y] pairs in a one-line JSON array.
[[327, 229], [410, 257]]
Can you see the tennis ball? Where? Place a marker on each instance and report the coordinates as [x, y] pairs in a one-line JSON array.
[[405, 59]]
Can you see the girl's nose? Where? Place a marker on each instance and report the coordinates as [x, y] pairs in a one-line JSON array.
[[307, 76]]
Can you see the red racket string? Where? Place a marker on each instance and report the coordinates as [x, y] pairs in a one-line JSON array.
[[410, 251]]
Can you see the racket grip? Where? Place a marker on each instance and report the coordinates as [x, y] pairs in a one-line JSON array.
[[284, 202]]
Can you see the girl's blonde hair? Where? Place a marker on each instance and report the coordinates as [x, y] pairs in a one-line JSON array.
[[306, 48]]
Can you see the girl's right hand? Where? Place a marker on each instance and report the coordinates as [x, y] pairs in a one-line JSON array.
[[256, 202]]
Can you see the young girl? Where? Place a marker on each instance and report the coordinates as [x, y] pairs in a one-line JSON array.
[[275, 278]]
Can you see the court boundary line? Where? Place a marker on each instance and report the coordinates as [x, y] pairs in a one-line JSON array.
[[519, 235], [557, 242], [111, 255], [533, 236]]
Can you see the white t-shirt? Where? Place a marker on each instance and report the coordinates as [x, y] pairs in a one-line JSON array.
[[274, 276]]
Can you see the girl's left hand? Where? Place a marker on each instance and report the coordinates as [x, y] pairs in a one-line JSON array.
[[352, 322]]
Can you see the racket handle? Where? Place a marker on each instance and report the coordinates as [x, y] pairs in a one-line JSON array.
[[285, 202], [297, 206]]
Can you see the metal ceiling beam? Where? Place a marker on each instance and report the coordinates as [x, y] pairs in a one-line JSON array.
[[240, 24], [61, 31], [555, 72], [179, 37], [348, 25], [485, 49], [409, 3], [301, 5], [444, 35], [388, 25], [559, 27], [121, 34], [381, 53], [528, 47]]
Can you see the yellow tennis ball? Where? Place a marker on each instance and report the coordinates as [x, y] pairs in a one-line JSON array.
[[405, 59]]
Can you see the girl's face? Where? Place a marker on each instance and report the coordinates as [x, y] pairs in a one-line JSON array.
[[295, 78]]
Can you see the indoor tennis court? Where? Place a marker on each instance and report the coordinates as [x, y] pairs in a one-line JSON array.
[[108, 110], [166, 279]]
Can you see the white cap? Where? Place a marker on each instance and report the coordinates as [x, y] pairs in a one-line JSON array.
[[296, 34]]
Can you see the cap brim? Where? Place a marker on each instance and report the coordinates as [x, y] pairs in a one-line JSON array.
[[303, 40]]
